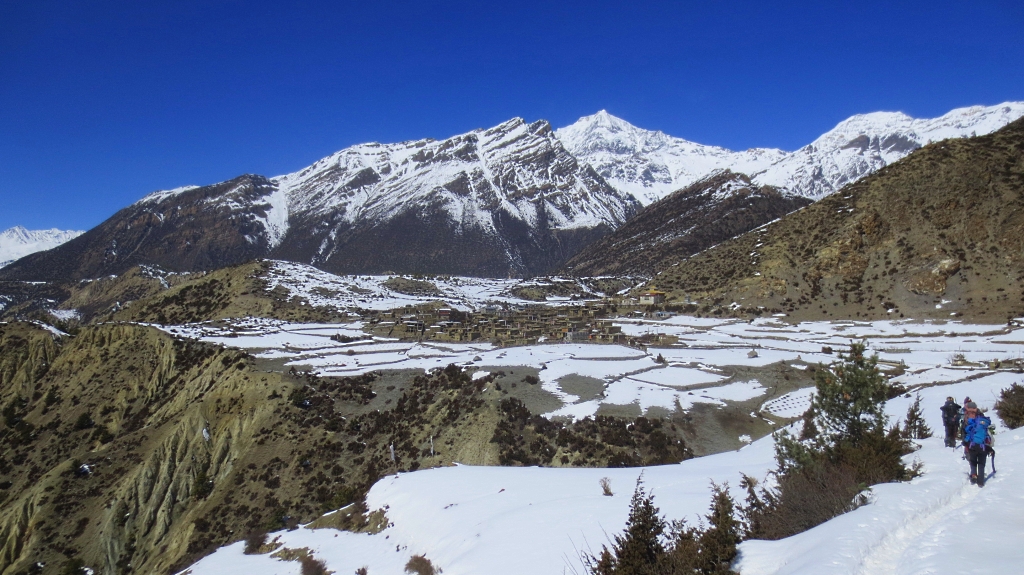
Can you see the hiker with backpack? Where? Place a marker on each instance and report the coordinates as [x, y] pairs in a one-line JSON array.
[[977, 441], [951, 420]]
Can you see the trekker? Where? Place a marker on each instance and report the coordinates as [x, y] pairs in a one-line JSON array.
[[951, 420], [976, 441], [963, 418]]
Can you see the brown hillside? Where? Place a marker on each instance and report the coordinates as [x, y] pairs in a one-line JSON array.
[[938, 233], [683, 223]]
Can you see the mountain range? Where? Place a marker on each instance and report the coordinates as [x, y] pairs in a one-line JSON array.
[[17, 242], [518, 199]]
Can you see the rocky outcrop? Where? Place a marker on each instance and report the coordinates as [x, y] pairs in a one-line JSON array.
[[109, 453]]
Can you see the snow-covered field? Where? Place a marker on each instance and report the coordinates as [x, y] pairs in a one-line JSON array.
[[494, 520], [471, 520], [691, 375], [323, 289]]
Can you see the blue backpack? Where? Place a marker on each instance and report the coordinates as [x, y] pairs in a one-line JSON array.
[[976, 435]]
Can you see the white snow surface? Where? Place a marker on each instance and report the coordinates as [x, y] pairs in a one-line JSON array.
[[494, 520], [651, 164], [323, 289], [18, 242]]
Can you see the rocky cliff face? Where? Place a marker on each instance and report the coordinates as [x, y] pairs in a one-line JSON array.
[[684, 223]]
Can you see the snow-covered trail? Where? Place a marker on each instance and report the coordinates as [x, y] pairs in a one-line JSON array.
[[936, 524], [884, 558]]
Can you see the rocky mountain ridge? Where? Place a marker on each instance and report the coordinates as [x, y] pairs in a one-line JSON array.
[[710, 211]]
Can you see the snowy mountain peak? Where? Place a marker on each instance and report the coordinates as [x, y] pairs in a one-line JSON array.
[[602, 119], [865, 143], [651, 164], [18, 242], [510, 167]]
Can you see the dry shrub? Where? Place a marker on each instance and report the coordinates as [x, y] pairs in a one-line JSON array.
[[830, 484], [1010, 406], [606, 486], [254, 542], [361, 571], [311, 566], [802, 500], [420, 565]]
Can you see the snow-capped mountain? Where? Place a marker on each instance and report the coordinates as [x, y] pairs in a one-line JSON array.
[[503, 190], [515, 167], [186, 229], [265, 207], [866, 143], [17, 242], [504, 201], [650, 164]]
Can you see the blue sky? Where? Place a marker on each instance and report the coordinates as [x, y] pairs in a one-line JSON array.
[[103, 102]]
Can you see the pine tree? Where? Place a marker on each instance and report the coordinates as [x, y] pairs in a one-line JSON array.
[[683, 555], [639, 550], [850, 396], [914, 426], [718, 542]]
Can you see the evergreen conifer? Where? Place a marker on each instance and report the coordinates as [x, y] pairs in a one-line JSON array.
[[639, 550], [850, 396], [914, 426], [718, 542]]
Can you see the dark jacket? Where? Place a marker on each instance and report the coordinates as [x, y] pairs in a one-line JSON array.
[[950, 413]]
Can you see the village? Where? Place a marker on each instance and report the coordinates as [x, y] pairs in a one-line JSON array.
[[523, 324]]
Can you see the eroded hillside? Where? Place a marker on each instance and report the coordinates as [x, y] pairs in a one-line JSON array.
[[134, 452]]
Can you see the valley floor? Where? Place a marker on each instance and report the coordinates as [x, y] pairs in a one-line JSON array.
[[500, 520]]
